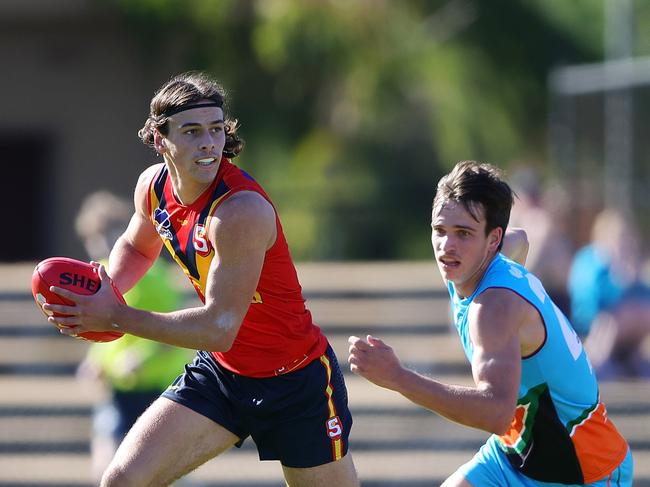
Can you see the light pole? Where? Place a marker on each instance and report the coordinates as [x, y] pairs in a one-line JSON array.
[[619, 115]]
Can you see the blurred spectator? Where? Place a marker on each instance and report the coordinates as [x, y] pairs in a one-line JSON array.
[[134, 370], [541, 212], [610, 302]]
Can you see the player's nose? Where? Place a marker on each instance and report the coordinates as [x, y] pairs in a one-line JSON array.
[[207, 143]]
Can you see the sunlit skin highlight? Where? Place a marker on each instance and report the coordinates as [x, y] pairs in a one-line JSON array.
[[226, 321]]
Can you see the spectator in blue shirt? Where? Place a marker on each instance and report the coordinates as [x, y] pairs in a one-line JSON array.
[[610, 300]]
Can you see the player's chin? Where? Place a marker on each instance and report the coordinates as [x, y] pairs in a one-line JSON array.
[[448, 271]]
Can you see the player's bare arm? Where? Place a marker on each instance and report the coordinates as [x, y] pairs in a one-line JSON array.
[[495, 317], [139, 246], [241, 231]]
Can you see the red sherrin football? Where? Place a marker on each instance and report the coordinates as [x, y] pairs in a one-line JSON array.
[[74, 275]]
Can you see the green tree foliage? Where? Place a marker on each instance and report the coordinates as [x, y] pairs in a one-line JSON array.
[[352, 109]]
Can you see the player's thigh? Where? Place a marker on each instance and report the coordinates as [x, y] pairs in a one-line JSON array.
[[340, 473], [168, 441]]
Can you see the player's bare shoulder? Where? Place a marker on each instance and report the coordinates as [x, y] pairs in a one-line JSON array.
[[147, 175], [142, 186], [498, 309], [498, 313], [500, 301], [245, 215]]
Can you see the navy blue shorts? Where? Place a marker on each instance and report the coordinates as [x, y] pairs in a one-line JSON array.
[[300, 418]]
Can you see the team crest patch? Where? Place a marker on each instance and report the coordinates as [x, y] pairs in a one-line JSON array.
[[163, 223]]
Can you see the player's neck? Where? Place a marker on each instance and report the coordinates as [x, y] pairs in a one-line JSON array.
[[186, 196], [187, 192]]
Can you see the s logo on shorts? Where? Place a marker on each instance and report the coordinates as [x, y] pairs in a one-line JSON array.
[[334, 428]]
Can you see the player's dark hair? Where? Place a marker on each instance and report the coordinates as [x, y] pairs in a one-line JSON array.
[[477, 186], [185, 90]]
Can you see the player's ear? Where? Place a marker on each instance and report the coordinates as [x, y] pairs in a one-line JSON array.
[[159, 142], [494, 238]]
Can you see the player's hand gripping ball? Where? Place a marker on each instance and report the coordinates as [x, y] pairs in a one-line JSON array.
[[76, 276]]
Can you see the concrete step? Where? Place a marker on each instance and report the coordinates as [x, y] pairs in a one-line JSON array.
[[365, 277], [239, 469], [332, 312], [372, 431], [379, 413], [52, 392], [45, 412]]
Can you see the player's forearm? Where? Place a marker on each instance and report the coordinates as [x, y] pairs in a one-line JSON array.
[[194, 328], [465, 405], [126, 265]]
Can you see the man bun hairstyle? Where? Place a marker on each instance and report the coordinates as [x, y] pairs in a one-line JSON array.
[[181, 92], [478, 186]]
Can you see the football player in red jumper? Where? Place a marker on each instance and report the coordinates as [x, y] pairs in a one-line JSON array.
[[263, 368]]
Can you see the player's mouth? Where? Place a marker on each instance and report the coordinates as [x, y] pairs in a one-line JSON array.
[[449, 263], [206, 161]]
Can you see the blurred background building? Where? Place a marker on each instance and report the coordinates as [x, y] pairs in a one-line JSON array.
[[351, 110], [75, 87]]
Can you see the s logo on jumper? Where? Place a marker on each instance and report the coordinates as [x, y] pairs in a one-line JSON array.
[[200, 240], [162, 223], [334, 428]]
